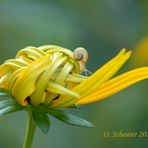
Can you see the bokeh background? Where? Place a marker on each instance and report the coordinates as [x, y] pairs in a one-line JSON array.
[[103, 27]]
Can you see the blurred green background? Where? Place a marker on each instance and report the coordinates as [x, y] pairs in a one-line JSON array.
[[103, 27]]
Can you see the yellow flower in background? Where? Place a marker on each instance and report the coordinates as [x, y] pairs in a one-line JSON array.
[[51, 75], [140, 53]]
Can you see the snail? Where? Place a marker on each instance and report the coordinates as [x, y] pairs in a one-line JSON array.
[[81, 55]]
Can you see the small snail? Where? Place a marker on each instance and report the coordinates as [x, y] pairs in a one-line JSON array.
[[81, 55]]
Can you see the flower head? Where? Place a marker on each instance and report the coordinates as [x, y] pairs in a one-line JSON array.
[[41, 80], [51, 75]]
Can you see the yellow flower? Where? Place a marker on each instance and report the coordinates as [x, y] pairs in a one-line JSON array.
[[140, 53], [51, 75]]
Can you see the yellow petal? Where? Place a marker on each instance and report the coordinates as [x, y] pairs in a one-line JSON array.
[[75, 78], [116, 84], [58, 89], [5, 79], [12, 65], [13, 78], [31, 53], [38, 96], [25, 83], [64, 73]]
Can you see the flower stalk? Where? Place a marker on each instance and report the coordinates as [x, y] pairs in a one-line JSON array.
[[30, 131]]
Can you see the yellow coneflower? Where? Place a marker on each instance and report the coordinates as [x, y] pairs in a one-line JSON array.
[[51, 75]]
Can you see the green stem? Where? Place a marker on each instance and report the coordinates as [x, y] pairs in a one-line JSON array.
[[30, 130]]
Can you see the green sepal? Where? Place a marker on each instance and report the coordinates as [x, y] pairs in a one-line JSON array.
[[7, 103], [10, 109], [5, 94], [75, 106], [69, 118], [41, 119]]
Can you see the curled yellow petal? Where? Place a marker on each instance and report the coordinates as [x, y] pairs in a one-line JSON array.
[[75, 78], [25, 83], [116, 84], [31, 53], [43, 81], [64, 73], [58, 89], [4, 80]]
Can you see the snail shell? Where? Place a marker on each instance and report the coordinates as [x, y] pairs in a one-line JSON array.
[[81, 55]]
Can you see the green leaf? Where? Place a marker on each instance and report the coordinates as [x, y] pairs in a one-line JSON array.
[[69, 118], [41, 119]]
